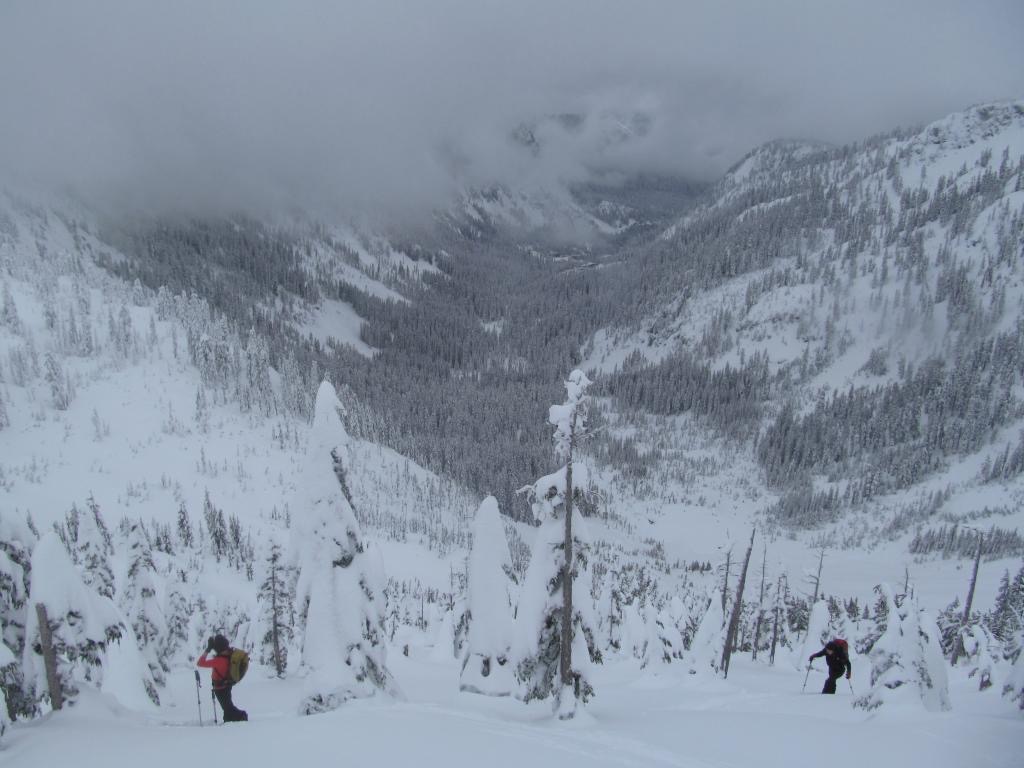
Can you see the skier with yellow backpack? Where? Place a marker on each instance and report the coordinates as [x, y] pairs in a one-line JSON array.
[[228, 666]]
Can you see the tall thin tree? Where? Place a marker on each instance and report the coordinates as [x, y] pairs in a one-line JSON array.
[[958, 644], [760, 604], [734, 621]]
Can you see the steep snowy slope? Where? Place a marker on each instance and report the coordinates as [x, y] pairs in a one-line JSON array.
[[887, 273]]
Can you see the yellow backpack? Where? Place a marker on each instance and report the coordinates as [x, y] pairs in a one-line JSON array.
[[238, 665]]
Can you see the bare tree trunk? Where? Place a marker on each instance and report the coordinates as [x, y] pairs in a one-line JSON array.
[[611, 614], [817, 578], [775, 623], [760, 604], [734, 622], [275, 620], [725, 581], [565, 660], [958, 644], [49, 658]]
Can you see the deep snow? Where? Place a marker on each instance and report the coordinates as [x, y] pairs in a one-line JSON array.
[[757, 716]]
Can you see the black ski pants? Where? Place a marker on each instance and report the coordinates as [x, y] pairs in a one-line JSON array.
[[830, 684], [232, 714]]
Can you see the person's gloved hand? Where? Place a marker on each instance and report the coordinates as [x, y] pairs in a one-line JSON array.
[[209, 644], [847, 675], [810, 659]]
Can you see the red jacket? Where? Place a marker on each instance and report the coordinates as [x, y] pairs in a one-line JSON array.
[[220, 664]]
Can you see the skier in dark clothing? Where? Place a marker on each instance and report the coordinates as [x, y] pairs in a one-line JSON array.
[[838, 659], [220, 678]]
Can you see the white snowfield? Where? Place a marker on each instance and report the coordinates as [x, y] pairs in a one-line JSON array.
[[757, 717]]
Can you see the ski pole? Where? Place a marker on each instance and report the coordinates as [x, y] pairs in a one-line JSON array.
[[850, 682], [213, 698], [199, 701], [810, 666]]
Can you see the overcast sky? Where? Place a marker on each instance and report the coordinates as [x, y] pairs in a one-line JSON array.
[[255, 104]]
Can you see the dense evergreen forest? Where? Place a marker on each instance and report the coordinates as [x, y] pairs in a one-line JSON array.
[[470, 351]]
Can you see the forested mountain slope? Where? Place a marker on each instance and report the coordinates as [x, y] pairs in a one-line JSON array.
[[853, 315], [829, 346]]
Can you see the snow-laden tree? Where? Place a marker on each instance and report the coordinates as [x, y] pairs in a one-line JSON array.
[[83, 625], [94, 553], [7, 664], [538, 642], [557, 639], [818, 633], [141, 601], [633, 633], [16, 542], [276, 609], [185, 535], [906, 658], [339, 585], [979, 653], [1014, 687], [178, 614], [664, 641], [706, 647], [487, 620]]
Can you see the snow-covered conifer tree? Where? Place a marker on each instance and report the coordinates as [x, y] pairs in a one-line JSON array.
[[980, 651], [634, 634], [7, 664], [536, 653], [338, 591], [557, 639], [93, 555], [488, 616], [185, 534], [82, 623], [1014, 687], [276, 601], [61, 388], [178, 615], [706, 647], [9, 311], [818, 633], [16, 539], [141, 600], [664, 641], [906, 658]]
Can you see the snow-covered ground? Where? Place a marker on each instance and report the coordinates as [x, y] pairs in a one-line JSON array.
[[759, 716]]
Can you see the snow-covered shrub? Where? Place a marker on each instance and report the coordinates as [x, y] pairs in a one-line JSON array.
[[487, 620], [338, 590], [980, 654], [706, 647], [906, 658]]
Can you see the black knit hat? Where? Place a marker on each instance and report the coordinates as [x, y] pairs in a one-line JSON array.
[[220, 643]]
